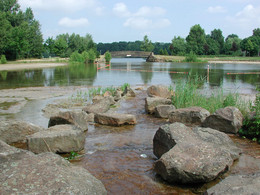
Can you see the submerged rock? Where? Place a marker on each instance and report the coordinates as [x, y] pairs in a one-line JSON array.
[[22, 172], [228, 120], [192, 155], [16, 131], [115, 119], [57, 139], [78, 118], [192, 115]]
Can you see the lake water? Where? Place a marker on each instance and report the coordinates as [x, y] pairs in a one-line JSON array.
[[136, 72]]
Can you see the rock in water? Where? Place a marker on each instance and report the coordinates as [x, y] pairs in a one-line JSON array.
[[16, 131], [115, 119], [100, 106], [22, 172], [228, 120], [192, 115], [159, 91], [78, 118], [192, 155], [57, 139], [152, 102], [163, 111]]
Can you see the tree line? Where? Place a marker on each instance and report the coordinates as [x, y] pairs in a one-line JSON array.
[[21, 37]]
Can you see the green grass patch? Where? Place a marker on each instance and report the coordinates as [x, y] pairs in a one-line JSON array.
[[187, 94], [7, 105]]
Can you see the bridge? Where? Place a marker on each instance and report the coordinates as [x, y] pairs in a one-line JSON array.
[[130, 54]]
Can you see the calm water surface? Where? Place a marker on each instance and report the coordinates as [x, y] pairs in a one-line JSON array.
[[136, 72]]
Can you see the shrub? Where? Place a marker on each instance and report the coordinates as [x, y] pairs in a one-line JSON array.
[[76, 57], [108, 56], [251, 124], [92, 55], [191, 57], [3, 59]]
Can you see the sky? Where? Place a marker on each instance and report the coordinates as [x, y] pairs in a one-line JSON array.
[[120, 20]]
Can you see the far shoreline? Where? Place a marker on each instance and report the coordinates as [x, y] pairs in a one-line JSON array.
[[22, 66]]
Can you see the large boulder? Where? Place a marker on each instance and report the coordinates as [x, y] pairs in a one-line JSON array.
[[115, 119], [228, 120], [192, 155], [57, 139], [100, 106], [152, 102], [158, 91], [192, 115], [16, 131], [237, 185], [22, 172], [78, 118], [163, 111]]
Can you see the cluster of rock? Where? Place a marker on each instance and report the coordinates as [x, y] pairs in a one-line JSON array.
[[192, 155], [66, 132]]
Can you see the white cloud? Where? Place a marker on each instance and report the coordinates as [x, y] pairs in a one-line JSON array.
[[146, 23], [216, 9], [144, 18], [249, 17], [150, 11], [59, 5], [72, 23], [120, 9]]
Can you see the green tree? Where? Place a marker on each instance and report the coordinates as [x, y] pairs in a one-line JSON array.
[[216, 35], [196, 40], [211, 46], [60, 46], [232, 45], [256, 32], [92, 55], [108, 56], [146, 44], [178, 45]]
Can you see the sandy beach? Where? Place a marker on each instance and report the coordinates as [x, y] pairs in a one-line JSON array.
[[21, 66]]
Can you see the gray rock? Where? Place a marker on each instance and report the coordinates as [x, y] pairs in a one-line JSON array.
[[152, 102], [192, 155], [192, 115], [158, 91], [237, 185], [100, 106], [57, 139], [163, 111], [128, 92], [118, 95], [78, 118], [115, 119], [228, 120], [22, 172], [16, 131]]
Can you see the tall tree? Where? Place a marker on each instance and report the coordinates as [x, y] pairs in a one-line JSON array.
[[178, 45], [196, 40], [146, 44], [216, 35]]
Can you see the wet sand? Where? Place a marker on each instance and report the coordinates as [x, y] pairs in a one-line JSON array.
[[22, 66]]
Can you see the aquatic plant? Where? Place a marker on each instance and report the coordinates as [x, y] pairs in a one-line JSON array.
[[251, 124], [72, 156], [187, 94], [124, 86]]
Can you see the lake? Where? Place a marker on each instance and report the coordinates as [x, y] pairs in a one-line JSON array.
[[136, 71]]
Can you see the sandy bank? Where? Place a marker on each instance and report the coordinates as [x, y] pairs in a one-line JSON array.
[[233, 62], [29, 66]]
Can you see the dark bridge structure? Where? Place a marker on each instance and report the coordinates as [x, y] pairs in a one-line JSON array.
[[130, 54]]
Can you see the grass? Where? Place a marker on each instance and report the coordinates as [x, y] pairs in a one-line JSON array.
[[81, 97], [188, 94]]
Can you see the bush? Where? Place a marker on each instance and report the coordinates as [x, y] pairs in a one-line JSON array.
[[191, 57], [3, 59], [108, 56], [251, 124], [76, 57], [92, 55]]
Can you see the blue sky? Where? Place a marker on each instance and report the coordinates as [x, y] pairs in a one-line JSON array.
[[115, 20]]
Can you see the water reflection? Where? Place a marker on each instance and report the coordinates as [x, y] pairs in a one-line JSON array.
[[134, 72]]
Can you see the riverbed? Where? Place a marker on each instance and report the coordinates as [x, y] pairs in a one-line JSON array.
[[122, 157]]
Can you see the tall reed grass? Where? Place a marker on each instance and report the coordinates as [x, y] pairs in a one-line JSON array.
[[188, 94]]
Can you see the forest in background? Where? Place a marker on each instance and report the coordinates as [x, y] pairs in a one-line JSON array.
[[21, 37]]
